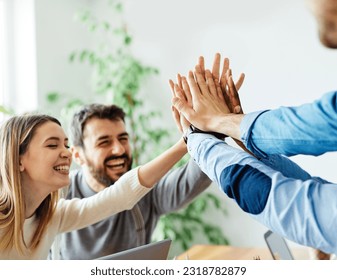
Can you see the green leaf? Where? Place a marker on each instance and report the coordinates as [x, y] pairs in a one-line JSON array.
[[92, 27], [5, 110], [106, 25], [72, 56], [83, 16], [127, 40], [83, 55], [53, 97]]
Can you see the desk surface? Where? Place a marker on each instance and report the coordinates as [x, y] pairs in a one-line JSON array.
[[222, 252]]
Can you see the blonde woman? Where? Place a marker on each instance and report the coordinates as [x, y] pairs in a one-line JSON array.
[[34, 166]]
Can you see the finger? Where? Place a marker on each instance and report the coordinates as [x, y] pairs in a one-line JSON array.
[[216, 66], [201, 81], [183, 108], [210, 83], [219, 91], [171, 83], [228, 74], [201, 63], [176, 117], [187, 91], [184, 122], [234, 97], [195, 91], [224, 77], [239, 82], [179, 80], [178, 92], [224, 85], [225, 66]]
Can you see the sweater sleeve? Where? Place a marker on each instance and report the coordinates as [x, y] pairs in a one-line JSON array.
[[298, 209], [179, 187], [77, 213]]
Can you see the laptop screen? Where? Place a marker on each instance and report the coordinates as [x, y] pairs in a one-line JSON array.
[[277, 246], [153, 251]]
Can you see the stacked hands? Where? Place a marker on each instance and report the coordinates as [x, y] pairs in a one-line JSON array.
[[204, 97]]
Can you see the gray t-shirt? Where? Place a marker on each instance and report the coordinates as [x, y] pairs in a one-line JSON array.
[[133, 227]]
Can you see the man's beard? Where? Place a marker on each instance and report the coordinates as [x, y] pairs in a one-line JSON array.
[[100, 174]]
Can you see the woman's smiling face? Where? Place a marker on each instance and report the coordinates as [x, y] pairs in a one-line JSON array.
[[45, 165]]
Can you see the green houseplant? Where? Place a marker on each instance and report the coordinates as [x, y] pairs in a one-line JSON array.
[[118, 75], [6, 111]]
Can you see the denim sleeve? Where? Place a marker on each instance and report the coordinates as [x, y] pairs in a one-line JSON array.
[[288, 168], [301, 210], [309, 129]]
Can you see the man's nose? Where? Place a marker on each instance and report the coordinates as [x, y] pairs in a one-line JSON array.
[[117, 148]]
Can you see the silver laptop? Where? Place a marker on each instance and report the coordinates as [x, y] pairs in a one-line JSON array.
[[153, 251], [277, 246]]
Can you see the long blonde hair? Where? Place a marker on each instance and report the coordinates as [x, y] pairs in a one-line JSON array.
[[15, 136]]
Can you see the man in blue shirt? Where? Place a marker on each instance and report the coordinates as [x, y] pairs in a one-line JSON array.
[[298, 206]]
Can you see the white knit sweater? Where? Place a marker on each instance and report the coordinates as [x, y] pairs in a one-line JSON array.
[[78, 213]]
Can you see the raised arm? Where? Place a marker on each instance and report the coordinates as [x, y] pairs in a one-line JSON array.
[[299, 210], [123, 195], [151, 172], [307, 129]]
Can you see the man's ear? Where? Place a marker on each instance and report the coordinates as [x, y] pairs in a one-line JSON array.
[[77, 153]]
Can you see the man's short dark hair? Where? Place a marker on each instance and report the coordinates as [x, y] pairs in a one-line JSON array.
[[87, 112]]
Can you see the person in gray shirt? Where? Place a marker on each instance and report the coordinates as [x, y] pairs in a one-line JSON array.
[[101, 147]]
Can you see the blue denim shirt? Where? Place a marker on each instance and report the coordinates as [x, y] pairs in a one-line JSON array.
[[275, 190], [309, 129]]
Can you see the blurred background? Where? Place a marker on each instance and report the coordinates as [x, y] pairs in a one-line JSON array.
[[56, 55]]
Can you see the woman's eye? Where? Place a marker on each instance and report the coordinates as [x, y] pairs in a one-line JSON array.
[[68, 147], [52, 146]]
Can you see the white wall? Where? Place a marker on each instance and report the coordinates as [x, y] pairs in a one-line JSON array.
[[273, 42]]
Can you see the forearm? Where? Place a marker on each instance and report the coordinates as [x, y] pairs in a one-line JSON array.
[[307, 129], [297, 209], [123, 195], [182, 185], [151, 172], [228, 124]]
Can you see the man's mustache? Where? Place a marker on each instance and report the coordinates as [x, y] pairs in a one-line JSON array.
[[124, 156]]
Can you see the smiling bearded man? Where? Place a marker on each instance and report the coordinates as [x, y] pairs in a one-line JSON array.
[[101, 147]]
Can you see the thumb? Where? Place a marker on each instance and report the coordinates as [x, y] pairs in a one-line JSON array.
[[183, 108]]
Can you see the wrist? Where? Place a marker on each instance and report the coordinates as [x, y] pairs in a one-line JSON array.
[[192, 129], [181, 146], [229, 124]]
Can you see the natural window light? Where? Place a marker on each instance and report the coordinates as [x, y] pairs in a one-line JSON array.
[[18, 78], [2, 55]]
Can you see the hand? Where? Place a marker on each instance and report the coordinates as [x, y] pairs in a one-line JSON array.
[[231, 97], [228, 88], [207, 105], [207, 101], [178, 91]]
